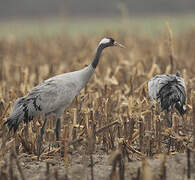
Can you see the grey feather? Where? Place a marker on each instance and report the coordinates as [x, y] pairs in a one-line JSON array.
[[55, 94], [50, 96], [169, 91]]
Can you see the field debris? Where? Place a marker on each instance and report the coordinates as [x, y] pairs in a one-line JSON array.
[[112, 129]]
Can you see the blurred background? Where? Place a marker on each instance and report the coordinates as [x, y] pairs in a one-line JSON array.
[[49, 17]]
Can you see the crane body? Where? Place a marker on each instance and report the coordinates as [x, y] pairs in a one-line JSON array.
[[169, 91], [54, 95], [51, 96]]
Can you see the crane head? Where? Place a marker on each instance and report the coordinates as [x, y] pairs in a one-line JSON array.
[[108, 41]]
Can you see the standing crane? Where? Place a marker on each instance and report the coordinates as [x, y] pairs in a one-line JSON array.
[[169, 91], [55, 94]]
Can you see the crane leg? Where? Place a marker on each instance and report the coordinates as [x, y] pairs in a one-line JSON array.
[[41, 138], [169, 121], [58, 127]]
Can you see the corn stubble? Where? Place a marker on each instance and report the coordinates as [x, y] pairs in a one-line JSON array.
[[113, 113]]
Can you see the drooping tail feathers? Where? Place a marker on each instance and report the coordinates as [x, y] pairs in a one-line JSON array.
[[16, 116], [173, 95], [24, 109]]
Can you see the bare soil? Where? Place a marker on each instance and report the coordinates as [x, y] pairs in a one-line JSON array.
[[79, 167]]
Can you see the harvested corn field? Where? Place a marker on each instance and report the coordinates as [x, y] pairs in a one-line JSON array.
[[112, 129]]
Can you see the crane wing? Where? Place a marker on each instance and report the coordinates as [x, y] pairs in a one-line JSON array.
[[54, 94], [51, 96]]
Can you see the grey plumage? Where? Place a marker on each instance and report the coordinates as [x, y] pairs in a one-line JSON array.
[[170, 92], [51, 96], [55, 94]]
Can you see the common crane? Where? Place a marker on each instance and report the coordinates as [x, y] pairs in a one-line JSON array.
[[53, 95], [169, 91]]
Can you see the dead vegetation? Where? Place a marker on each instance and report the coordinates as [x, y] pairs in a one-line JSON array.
[[112, 115]]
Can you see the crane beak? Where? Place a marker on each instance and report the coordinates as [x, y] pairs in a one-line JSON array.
[[118, 44]]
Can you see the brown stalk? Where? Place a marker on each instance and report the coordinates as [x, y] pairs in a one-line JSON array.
[[65, 138], [188, 164], [193, 119], [5, 111], [146, 171], [130, 148], [115, 158], [2, 107], [106, 127], [141, 134], [11, 167], [3, 172], [138, 177], [18, 166], [163, 173], [131, 128], [25, 144], [91, 145], [91, 140], [47, 172], [56, 174], [92, 164], [170, 45], [49, 153]]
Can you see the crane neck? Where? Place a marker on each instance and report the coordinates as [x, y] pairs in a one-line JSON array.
[[97, 57], [88, 71]]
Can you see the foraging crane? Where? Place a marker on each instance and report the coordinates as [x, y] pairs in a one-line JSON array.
[[169, 91], [53, 95]]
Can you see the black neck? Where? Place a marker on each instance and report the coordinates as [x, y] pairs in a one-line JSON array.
[[97, 56]]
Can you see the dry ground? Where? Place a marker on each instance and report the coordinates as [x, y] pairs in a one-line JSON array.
[[112, 118], [79, 167]]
